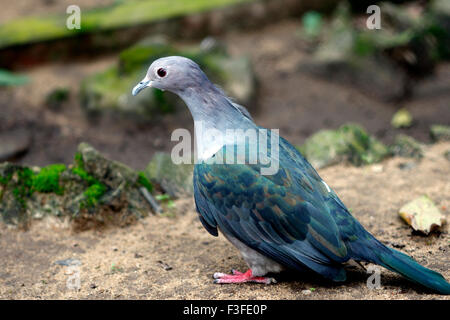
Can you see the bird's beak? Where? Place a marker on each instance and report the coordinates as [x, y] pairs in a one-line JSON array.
[[141, 86]]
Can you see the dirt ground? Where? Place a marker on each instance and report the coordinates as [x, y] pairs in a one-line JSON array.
[[174, 257]]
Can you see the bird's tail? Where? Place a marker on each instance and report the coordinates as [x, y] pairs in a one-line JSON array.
[[406, 266], [401, 263]]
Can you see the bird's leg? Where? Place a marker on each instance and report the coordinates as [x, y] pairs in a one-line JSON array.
[[239, 277]]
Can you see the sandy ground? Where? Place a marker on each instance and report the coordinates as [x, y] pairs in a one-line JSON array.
[[164, 257]]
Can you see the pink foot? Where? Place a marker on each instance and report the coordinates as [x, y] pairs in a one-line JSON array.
[[239, 277]]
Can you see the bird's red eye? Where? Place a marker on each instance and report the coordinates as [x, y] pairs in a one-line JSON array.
[[161, 72]]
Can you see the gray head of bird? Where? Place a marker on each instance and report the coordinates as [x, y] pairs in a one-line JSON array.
[[174, 74]]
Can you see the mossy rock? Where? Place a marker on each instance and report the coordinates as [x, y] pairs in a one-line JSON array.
[[109, 91], [175, 180], [440, 132], [93, 188], [350, 143], [406, 146]]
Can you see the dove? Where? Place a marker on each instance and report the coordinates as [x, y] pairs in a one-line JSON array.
[[288, 219]]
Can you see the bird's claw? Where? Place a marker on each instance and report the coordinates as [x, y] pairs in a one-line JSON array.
[[239, 277]]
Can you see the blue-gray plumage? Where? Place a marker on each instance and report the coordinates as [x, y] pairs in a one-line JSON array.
[[288, 220]]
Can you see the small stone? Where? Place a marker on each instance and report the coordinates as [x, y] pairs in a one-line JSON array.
[[306, 292], [406, 146], [93, 286], [402, 119], [68, 262], [398, 245], [407, 165], [164, 265], [137, 255], [377, 168], [440, 132]]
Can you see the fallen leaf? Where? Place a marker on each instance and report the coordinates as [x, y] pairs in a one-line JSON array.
[[422, 215]]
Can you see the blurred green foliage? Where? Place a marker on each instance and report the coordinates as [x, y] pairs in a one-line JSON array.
[[8, 78]]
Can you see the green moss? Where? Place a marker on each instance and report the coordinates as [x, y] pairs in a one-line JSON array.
[[47, 180], [84, 175], [78, 169], [143, 181], [28, 182], [95, 189], [78, 159], [4, 180], [93, 195], [24, 186]]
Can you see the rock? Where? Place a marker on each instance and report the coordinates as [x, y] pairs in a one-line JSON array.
[[422, 215], [15, 188], [350, 143], [440, 132], [110, 172], [164, 265], [407, 165], [402, 119], [306, 292], [175, 180], [406, 146], [110, 90], [68, 262], [14, 143], [93, 190]]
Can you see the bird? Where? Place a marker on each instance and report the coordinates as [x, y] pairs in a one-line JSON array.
[[289, 219]]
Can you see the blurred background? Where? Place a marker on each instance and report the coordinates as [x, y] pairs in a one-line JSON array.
[[297, 65]]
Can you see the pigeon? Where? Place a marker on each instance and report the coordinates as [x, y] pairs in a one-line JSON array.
[[288, 219]]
